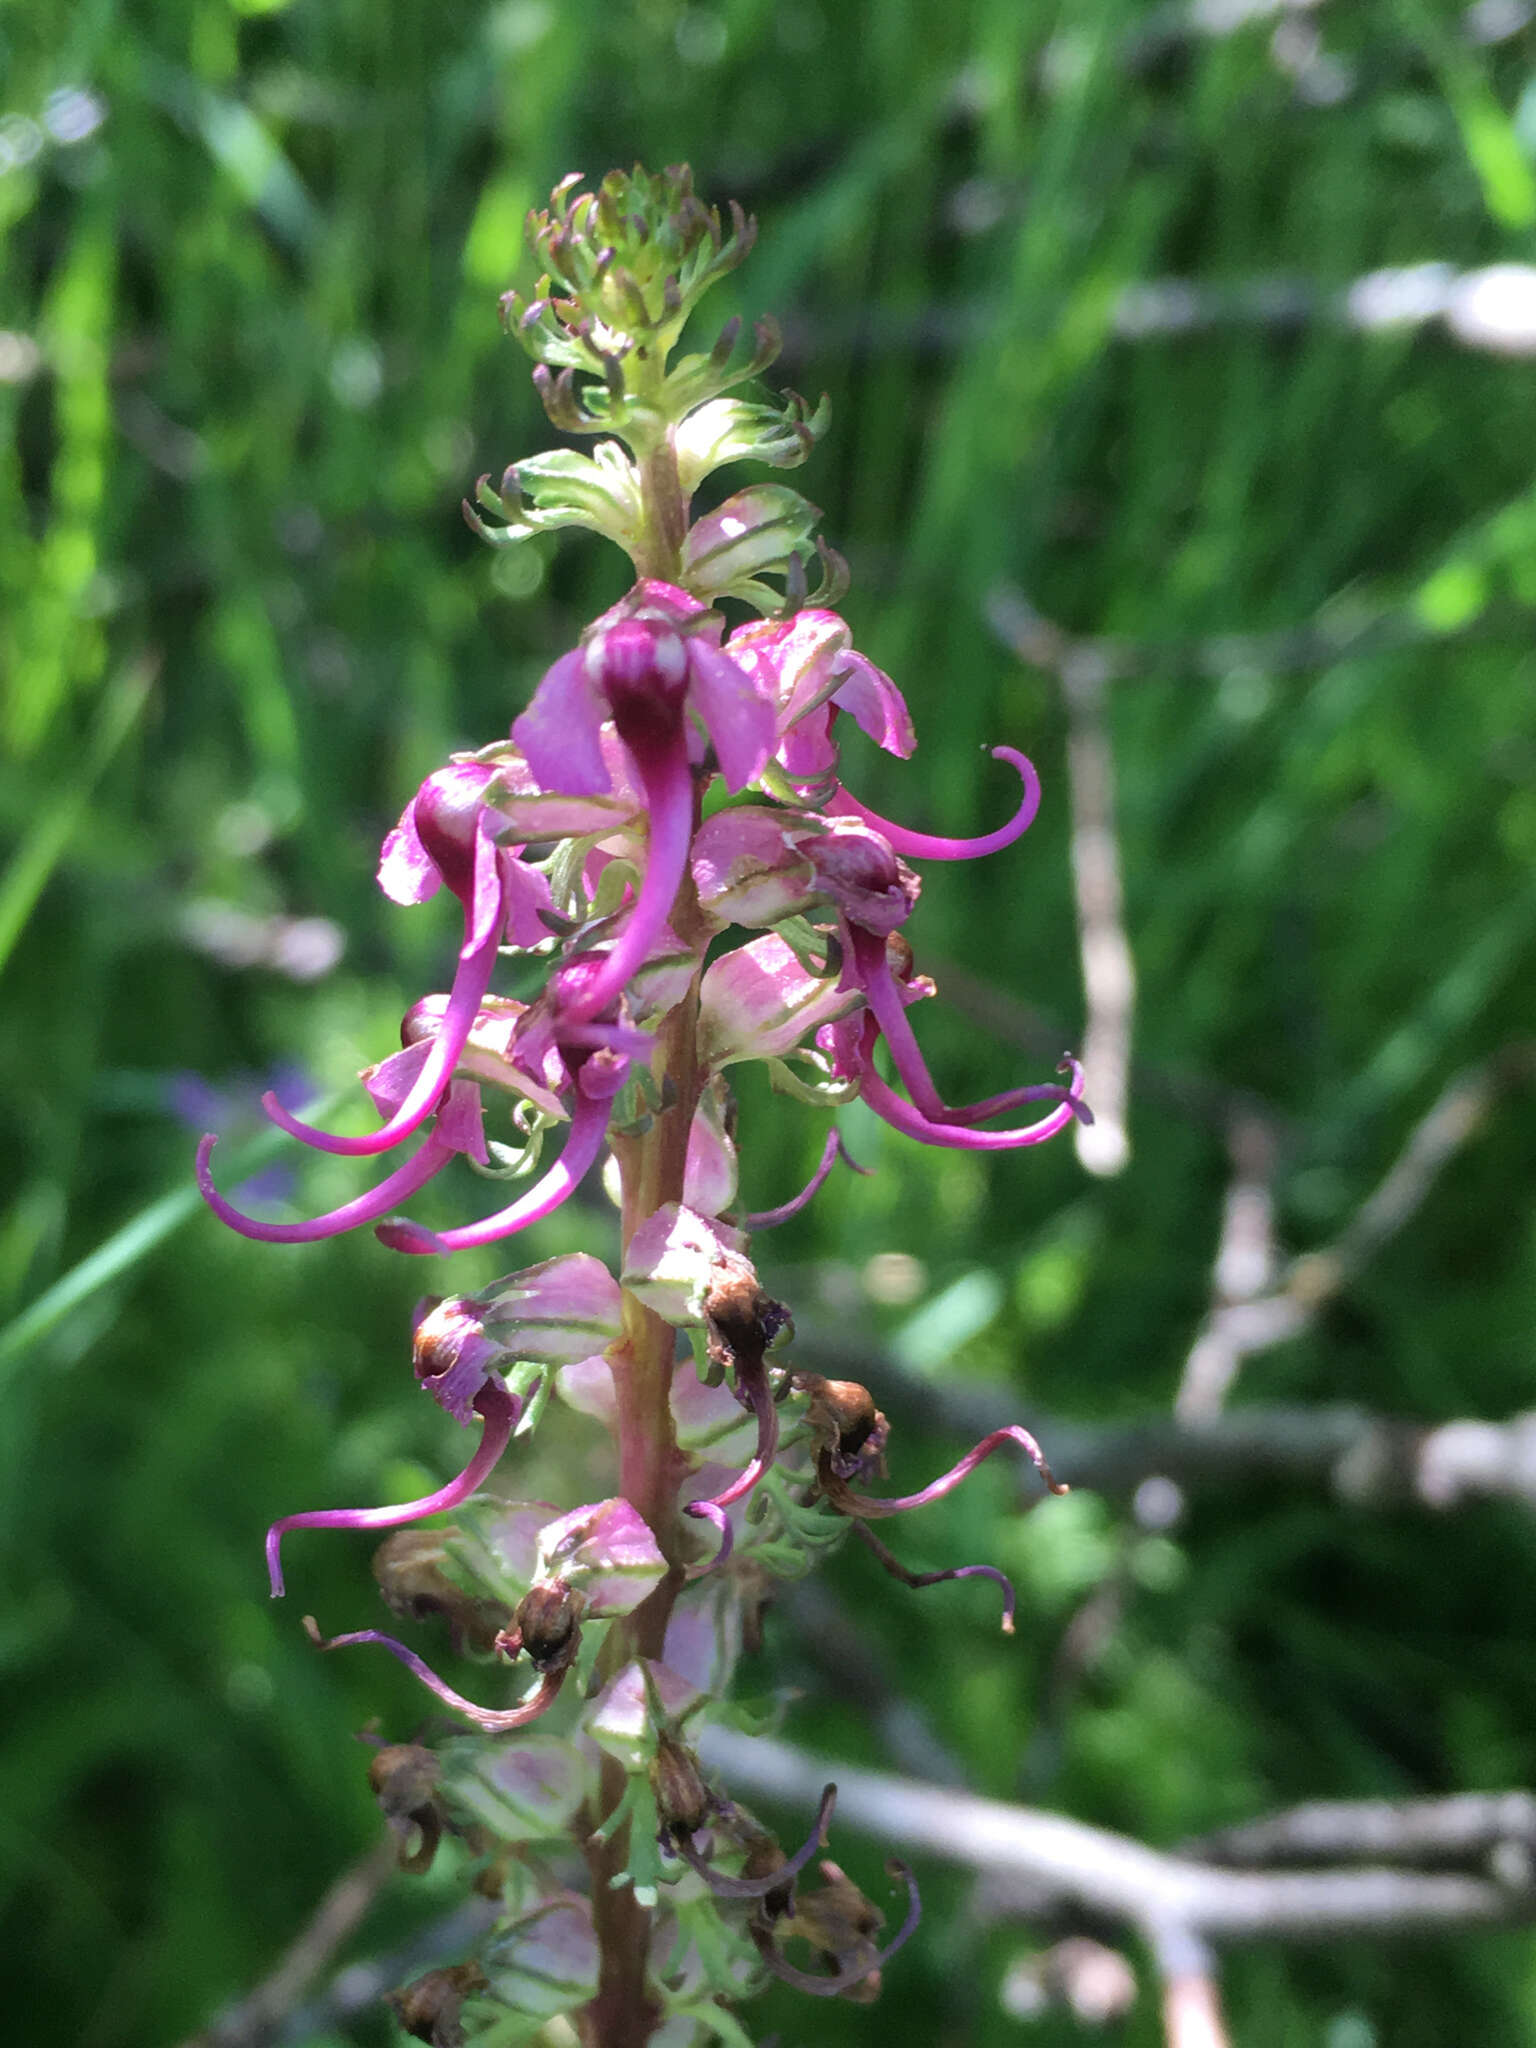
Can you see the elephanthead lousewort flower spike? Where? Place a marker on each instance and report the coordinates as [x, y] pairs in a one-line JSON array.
[[662, 845]]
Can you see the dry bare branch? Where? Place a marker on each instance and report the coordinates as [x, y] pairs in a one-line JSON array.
[[1044, 1866]]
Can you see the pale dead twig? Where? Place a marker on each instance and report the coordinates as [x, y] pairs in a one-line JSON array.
[[1243, 1273], [1084, 670], [1192, 2013], [1463, 1828], [1044, 1866], [1248, 1318]]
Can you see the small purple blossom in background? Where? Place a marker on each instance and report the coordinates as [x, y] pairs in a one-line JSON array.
[[666, 829]]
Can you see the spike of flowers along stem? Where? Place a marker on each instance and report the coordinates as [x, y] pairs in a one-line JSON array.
[[681, 934]]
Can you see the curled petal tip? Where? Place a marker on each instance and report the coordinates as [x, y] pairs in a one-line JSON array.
[[866, 1506], [274, 1561], [938, 845], [711, 1511], [864, 1968], [498, 1409], [898, 1570], [773, 1880], [1072, 1067], [833, 1150], [494, 1721], [428, 1159]]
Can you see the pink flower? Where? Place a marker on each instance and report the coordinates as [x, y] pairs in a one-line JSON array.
[[447, 835], [650, 665], [808, 665]]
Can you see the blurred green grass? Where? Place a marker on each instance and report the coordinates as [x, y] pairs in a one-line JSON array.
[[250, 363]]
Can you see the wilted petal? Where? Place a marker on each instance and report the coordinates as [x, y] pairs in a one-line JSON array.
[[452, 1355], [862, 1972], [870, 1507], [784, 1872], [492, 1720], [917, 1580]]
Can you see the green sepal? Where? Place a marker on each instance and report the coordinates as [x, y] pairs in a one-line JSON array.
[[756, 532], [781, 433], [563, 487]]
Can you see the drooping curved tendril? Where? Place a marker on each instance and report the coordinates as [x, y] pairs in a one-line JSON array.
[[937, 846], [833, 1150], [448, 1136], [711, 1511], [490, 1719], [499, 1411], [858, 1972], [928, 1114], [1037, 1091], [898, 1570], [869, 1507], [893, 1109], [752, 1382], [471, 984], [589, 1125], [775, 1880]]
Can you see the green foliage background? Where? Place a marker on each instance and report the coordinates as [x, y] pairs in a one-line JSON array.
[[253, 364]]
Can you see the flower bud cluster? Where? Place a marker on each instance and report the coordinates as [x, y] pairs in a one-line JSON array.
[[665, 828]]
